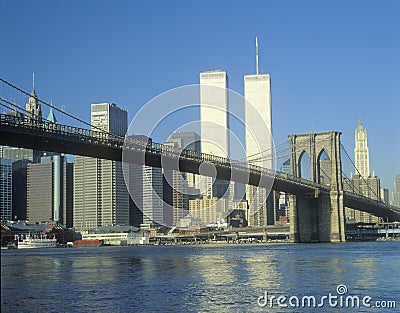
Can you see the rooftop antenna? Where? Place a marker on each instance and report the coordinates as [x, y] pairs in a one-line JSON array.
[[256, 55], [33, 81]]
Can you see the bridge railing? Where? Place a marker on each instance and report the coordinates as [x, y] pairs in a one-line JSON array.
[[168, 150], [35, 125], [370, 200]]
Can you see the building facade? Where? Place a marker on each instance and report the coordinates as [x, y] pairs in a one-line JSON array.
[[184, 186], [208, 210], [385, 195], [396, 192], [259, 146], [189, 141], [110, 118], [6, 189], [100, 194], [49, 190], [361, 153], [367, 186], [19, 205], [20, 158], [214, 124], [153, 204], [362, 182], [33, 107]]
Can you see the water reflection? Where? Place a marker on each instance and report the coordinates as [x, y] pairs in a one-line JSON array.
[[220, 278], [366, 269]]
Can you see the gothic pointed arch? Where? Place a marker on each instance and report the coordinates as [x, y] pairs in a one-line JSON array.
[[304, 165], [324, 168]]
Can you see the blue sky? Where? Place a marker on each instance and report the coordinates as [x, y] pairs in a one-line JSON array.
[[331, 62]]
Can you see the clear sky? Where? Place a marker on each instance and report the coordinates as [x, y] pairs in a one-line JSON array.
[[331, 62]]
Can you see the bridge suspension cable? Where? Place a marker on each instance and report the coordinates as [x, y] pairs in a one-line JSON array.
[[55, 108], [279, 154], [356, 171]]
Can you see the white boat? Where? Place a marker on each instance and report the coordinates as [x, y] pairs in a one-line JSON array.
[[32, 242]]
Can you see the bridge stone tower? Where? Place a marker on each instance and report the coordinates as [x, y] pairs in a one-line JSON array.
[[317, 217]]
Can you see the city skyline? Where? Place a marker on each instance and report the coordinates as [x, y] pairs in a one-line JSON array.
[[315, 61]]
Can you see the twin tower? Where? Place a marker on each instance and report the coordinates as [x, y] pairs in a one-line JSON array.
[[215, 131]]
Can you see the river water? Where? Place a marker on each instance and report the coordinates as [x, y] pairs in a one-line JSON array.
[[203, 278]]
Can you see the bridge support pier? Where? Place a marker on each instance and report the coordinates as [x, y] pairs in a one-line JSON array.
[[317, 219], [337, 217]]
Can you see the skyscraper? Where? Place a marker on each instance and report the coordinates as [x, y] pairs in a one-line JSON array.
[[208, 210], [153, 201], [110, 118], [33, 111], [214, 110], [189, 141], [396, 192], [186, 140], [20, 187], [5, 189], [16, 154], [33, 107], [49, 190], [20, 157], [100, 194], [177, 185], [214, 124], [362, 181], [151, 194], [361, 154], [257, 93]]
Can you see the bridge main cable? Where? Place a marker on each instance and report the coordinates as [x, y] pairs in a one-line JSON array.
[[55, 108]]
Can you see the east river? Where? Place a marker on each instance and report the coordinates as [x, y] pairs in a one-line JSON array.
[[350, 277]]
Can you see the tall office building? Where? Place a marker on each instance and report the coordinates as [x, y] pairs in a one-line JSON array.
[[189, 141], [361, 154], [214, 124], [20, 186], [362, 181], [20, 157], [186, 140], [367, 186], [385, 195], [396, 192], [153, 200], [176, 183], [5, 189], [100, 194], [16, 154], [49, 190], [134, 181], [258, 120], [208, 210], [110, 118], [214, 110], [33, 110], [151, 194], [33, 107]]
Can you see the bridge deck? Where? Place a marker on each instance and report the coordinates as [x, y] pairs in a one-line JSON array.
[[19, 131]]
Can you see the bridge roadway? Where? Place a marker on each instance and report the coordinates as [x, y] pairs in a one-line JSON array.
[[19, 131]]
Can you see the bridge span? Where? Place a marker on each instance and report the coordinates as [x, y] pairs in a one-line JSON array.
[[317, 209]]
